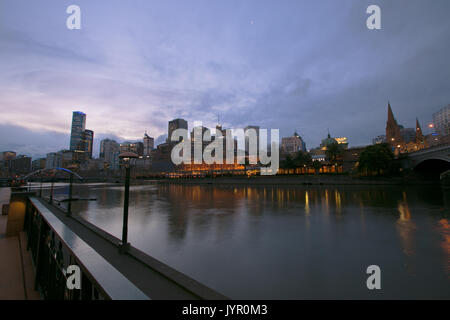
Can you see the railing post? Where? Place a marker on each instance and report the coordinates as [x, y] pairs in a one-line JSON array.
[[51, 192], [69, 204], [40, 190]]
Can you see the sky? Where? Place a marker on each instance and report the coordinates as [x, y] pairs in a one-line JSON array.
[[303, 65]]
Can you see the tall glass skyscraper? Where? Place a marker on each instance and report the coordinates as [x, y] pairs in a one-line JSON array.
[[78, 127], [88, 140], [174, 125]]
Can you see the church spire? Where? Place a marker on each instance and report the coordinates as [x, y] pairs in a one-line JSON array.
[[393, 135], [419, 134], [390, 113]]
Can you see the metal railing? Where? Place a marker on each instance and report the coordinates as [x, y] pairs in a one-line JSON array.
[[54, 247]]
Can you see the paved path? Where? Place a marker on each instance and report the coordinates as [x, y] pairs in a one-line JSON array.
[[16, 271]]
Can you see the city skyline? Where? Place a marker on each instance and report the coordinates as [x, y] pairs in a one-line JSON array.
[[306, 68]]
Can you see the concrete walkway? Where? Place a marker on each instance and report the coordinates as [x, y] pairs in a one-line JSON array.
[[16, 270]]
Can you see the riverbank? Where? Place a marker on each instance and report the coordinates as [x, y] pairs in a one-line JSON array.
[[302, 180]]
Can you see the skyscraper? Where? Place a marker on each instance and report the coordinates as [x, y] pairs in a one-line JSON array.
[[149, 144], [88, 141], [78, 127], [292, 144], [107, 149], [176, 124], [441, 120], [81, 139]]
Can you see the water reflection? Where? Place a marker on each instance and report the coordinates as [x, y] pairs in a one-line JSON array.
[[253, 241], [444, 229], [406, 229]]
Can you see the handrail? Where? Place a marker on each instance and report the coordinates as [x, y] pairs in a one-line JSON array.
[[108, 279], [438, 147]]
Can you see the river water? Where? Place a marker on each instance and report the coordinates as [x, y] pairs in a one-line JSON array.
[[279, 242]]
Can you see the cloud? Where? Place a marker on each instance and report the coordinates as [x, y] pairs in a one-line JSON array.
[[302, 66]]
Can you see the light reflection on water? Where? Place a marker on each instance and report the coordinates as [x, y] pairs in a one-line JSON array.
[[287, 242]]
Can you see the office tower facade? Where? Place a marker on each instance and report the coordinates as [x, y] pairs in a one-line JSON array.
[[21, 164], [292, 144], [38, 164], [176, 124], [53, 160], [441, 121], [87, 144], [7, 155], [149, 144], [108, 148], [78, 127]]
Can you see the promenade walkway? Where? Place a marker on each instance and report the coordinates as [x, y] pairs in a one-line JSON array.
[[16, 270]]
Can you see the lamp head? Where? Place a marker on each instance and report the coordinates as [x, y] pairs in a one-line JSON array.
[[127, 156]]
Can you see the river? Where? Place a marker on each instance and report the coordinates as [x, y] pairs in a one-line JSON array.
[[259, 242]]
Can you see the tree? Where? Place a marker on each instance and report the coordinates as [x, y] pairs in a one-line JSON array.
[[334, 152], [378, 158], [288, 163], [302, 159], [316, 165]]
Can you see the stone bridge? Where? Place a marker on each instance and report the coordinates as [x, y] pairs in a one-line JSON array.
[[434, 159]]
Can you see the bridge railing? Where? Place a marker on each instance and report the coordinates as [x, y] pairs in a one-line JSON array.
[[435, 148], [54, 247]]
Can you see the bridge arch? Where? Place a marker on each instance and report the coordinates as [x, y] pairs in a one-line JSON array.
[[432, 167]]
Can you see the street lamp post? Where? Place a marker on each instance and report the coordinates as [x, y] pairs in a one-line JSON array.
[[126, 161], [69, 204], [40, 190], [51, 191]]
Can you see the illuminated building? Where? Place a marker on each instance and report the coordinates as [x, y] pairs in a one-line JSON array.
[[408, 134], [403, 139], [343, 141], [292, 144], [149, 144], [81, 139], [327, 142], [87, 143], [317, 154], [441, 121], [393, 134], [350, 158]]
